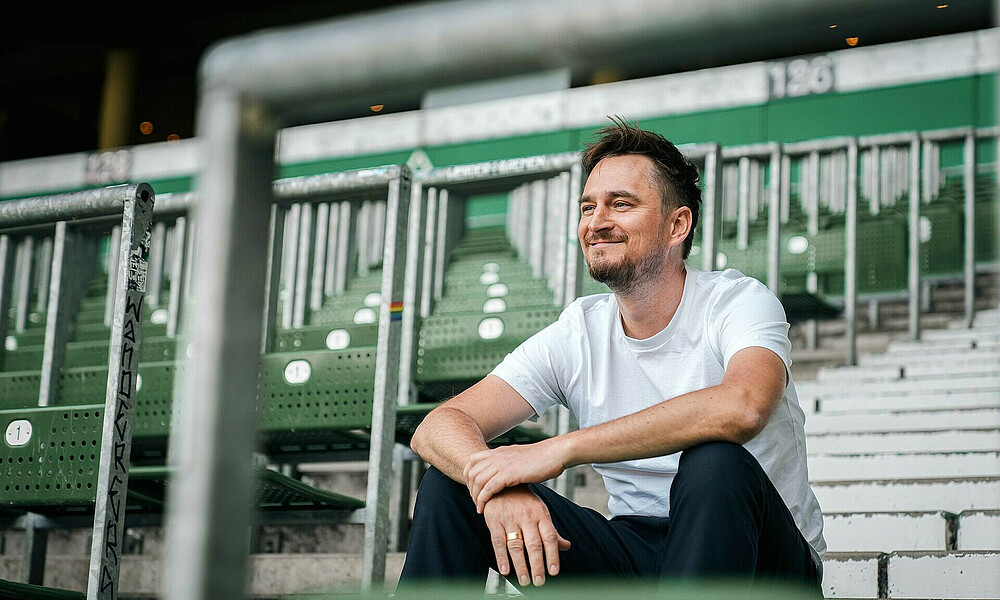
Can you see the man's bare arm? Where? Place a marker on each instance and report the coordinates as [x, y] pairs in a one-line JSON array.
[[736, 410], [460, 427]]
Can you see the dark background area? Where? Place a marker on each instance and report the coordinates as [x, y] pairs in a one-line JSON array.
[[53, 61]]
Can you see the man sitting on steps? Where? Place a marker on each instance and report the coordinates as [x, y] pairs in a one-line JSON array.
[[680, 383]]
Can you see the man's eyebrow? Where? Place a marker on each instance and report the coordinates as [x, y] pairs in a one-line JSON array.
[[614, 194]]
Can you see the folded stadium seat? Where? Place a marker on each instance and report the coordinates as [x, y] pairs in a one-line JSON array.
[[491, 303]]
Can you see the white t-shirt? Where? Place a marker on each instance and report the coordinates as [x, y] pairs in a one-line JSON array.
[[586, 362]]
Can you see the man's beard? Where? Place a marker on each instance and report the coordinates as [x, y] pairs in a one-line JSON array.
[[629, 274]]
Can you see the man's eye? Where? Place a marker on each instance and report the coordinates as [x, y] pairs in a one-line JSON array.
[[586, 209], [621, 204]]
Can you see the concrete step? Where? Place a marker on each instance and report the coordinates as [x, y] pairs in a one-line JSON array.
[[950, 495], [854, 574], [979, 530], [944, 575], [910, 372], [989, 382], [907, 347], [929, 359], [822, 423], [861, 403], [889, 532], [880, 467], [269, 575], [986, 333], [964, 440]]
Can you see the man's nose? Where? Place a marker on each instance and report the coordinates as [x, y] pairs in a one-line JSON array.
[[600, 219]]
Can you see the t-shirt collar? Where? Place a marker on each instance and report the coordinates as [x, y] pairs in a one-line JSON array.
[[662, 336]]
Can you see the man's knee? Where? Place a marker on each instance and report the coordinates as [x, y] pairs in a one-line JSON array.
[[439, 492], [717, 467]]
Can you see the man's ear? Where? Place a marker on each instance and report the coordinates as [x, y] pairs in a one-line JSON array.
[[680, 225]]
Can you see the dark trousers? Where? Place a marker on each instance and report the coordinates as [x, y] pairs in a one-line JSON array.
[[727, 523]]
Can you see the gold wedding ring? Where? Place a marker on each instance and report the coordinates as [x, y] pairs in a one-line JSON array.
[[513, 535]]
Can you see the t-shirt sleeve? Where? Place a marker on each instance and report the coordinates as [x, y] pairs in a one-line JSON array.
[[748, 314], [534, 369]]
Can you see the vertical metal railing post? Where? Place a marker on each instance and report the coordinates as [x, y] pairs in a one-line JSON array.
[[303, 264], [57, 319], [743, 207], [711, 218], [209, 498], [290, 255], [332, 244], [44, 271], [575, 264], [570, 259], [811, 205], [430, 235], [407, 392], [123, 370], [914, 240], [178, 274], [319, 263], [774, 224], [6, 283], [23, 285], [441, 242], [114, 245], [272, 278], [969, 180], [157, 256], [851, 255], [536, 251], [387, 356], [347, 248]]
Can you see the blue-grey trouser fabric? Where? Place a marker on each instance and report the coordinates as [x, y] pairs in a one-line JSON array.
[[727, 523]]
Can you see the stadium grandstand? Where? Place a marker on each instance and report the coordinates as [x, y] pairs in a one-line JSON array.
[[217, 349]]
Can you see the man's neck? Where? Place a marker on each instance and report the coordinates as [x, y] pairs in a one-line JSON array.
[[648, 309]]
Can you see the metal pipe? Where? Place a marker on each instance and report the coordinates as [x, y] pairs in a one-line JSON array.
[[774, 224], [56, 320], [209, 506], [303, 263], [22, 291], [6, 281], [123, 370], [875, 200], [178, 275], [441, 244], [272, 277], [536, 244], [290, 255], [114, 245], [851, 257], [969, 179], [157, 255], [387, 354], [319, 262], [330, 271], [914, 239], [347, 252], [245, 86], [711, 221], [575, 263], [427, 276], [45, 260], [743, 208]]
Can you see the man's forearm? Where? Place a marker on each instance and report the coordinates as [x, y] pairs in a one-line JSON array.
[[446, 439], [711, 414]]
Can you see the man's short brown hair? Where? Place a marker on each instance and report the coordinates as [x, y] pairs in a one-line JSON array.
[[676, 176]]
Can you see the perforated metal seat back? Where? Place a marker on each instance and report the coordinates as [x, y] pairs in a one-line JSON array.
[[316, 390], [468, 346], [51, 456], [335, 336]]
